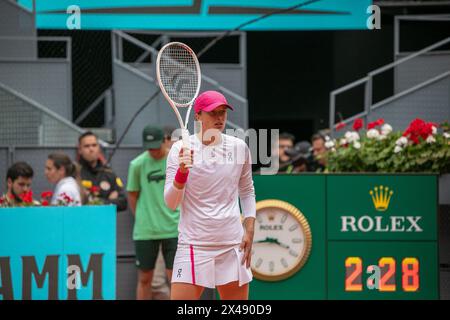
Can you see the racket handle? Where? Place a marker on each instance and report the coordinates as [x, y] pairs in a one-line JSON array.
[[186, 144]]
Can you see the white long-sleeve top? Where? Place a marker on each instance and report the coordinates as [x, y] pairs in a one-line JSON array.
[[221, 174]]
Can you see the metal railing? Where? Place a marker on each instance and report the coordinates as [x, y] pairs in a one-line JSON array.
[[15, 41], [367, 81], [106, 98], [122, 35], [427, 18], [117, 51]]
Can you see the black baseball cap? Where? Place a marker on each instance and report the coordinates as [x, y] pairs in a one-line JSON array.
[[152, 137]]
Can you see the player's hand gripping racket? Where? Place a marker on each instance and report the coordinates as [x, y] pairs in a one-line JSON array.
[[179, 77]]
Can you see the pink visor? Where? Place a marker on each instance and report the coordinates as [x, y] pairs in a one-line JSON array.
[[209, 100]]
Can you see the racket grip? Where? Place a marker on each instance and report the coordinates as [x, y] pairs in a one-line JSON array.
[[186, 144]]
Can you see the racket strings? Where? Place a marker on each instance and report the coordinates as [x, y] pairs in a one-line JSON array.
[[179, 74]]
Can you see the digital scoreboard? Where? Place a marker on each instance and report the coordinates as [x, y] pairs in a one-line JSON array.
[[369, 237], [382, 229]]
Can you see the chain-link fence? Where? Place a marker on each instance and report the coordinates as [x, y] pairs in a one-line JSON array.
[[91, 73], [25, 122]]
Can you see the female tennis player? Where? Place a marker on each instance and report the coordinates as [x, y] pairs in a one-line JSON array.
[[214, 245]]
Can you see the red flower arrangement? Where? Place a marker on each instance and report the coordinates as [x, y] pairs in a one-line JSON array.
[[358, 124], [94, 190], [422, 147], [45, 198], [46, 194], [28, 201], [417, 129], [93, 196], [375, 124], [22, 200], [27, 197]]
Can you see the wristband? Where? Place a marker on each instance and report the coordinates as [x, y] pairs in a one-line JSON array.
[[181, 177]]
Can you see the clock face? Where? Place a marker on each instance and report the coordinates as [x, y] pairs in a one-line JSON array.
[[282, 241]]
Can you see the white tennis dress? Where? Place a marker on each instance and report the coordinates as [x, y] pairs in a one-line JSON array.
[[210, 227]]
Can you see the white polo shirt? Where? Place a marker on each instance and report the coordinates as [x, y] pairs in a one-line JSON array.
[[221, 174]]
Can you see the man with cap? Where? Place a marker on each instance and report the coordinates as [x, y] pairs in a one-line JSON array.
[[207, 182], [155, 224]]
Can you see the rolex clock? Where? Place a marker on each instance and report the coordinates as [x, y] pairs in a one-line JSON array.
[[282, 241]]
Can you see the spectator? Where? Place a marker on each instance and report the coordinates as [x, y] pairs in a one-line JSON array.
[[61, 171], [285, 141], [320, 153], [155, 224], [301, 157], [18, 181], [96, 174]]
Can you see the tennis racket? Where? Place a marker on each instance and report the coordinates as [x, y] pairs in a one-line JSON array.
[[179, 77]]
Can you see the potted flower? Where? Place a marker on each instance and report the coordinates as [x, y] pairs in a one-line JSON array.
[[93, 196], [21, 200], [421, 147]]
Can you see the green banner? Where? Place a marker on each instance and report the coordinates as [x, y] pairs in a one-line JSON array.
[[350, 236], [382, 207]]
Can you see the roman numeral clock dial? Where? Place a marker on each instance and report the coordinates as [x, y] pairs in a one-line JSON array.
[[282, 241]]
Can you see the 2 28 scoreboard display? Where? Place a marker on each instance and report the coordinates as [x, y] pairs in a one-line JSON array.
[[346, 237], [385, 244]]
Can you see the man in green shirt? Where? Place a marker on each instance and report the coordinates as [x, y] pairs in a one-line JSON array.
[[155, 224]]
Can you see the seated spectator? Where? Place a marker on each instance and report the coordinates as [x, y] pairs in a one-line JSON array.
[[18, 182], [285, 142], [94, 173], [61, 171], [301, 157], [320, 153]]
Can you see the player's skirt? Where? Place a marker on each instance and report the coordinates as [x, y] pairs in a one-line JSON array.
[[210, 266]]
